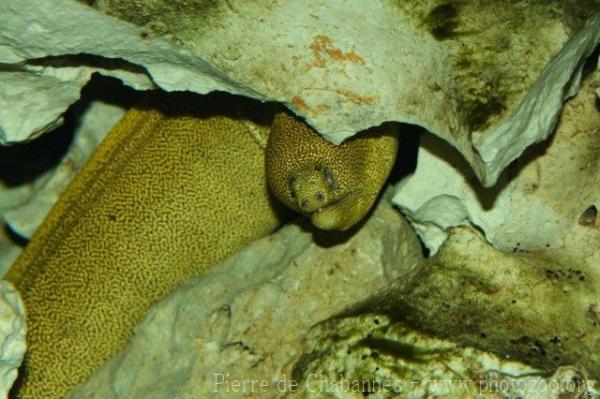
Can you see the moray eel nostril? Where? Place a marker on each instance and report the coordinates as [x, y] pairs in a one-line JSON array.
[[335, 185]]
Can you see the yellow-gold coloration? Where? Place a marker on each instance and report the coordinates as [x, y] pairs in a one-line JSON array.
[[176, 186], [334, 185]]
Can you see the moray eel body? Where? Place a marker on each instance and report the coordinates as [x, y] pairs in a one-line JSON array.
[[334, 185], [176, 186]]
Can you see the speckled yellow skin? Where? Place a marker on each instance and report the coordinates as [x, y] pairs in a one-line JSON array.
[[176, 186], [334, 185]]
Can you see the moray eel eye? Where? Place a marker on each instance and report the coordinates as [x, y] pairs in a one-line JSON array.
[[331, 183]]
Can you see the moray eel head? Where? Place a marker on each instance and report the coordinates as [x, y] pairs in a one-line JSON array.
[[334, 185]]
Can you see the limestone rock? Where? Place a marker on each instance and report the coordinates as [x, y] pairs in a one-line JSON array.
[[545, 202], [32, 39], [33, 103], [12, 335], [373, 355], [9, 251], [34, 97], [471, 73], [525, 306], [246, 318], [481, 78]]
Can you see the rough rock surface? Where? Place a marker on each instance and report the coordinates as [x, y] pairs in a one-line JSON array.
[[32, 39], [12, 335], [522, 305], [521, 278], [375, 356], [475, 76], [545, 202], [246, 318], [9, 251]]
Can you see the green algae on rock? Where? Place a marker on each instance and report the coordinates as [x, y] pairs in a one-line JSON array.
[[516, 304], [373, 355]]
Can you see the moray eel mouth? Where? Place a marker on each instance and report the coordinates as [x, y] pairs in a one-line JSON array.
[[335, 215]]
